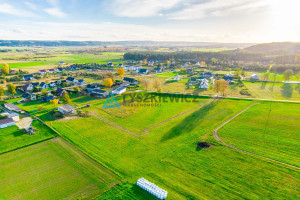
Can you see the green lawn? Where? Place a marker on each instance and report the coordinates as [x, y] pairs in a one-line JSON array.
[[278, 91], [12, 138], [51, 170], [168, 157], [273, 133]]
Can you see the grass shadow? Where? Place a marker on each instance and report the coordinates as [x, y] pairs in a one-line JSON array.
[[287, 90], [263, 85], [189, 123], [18, 133]]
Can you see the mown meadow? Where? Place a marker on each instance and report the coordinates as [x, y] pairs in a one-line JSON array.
[[169, 157], [269, 129]]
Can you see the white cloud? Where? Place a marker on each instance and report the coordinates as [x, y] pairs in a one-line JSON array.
[[141, 8], [31, 5], [55, 12], [217, 8], [11, 10]]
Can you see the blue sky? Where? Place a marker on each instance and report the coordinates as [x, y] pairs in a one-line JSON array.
[[157, 20]]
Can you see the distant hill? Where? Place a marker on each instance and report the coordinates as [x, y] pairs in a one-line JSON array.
[[38, 43], [276, 48]]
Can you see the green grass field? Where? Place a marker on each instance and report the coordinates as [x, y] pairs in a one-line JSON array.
[[273, 133], [12, 138], [51, 170], [278, 91], [168, 157]]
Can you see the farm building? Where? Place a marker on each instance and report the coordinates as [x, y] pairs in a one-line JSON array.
[[66, 110], [177, 78], [12, 107], [14, 116], [59, 92], [254, 77], [99, 93], [142, 71], [7, 122], [119, 90]]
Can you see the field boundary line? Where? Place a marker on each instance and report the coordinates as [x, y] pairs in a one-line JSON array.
[[217, 137], [115, 125], [78, 148]]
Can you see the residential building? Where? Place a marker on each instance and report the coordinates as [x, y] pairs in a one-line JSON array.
[[27, 87], [177, 78], [254, 77], [51, 70], [142, 71], [91, 87], [59, 92], [81, 81], [42, 72], [43, 86], [27, 77], [99, 93], [127, 79], [71, 80]]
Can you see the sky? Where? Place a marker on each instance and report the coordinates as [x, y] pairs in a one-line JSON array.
[[234, 21]]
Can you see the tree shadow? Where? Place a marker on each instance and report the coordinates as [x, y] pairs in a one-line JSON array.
[[263, 85], [18, 133], [287, 90], [189, 123]]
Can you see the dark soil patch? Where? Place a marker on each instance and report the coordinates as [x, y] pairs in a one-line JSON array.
[[203, 145]]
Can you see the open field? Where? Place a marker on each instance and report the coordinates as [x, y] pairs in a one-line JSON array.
[[51, 170], [272, 133], [12, 138], [277, 91], [168, 157], [279, 76]]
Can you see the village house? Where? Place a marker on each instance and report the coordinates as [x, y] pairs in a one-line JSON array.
[[142, 71], [120, 65], [66, 110], [42, 72], [177, 78], [59, 69], [207, 74], [73, 68], [99, 93], [81, 81], [52, 84], [27, 87], [158, 69], [51, 70], [57, 82], [59, 92], [150, 62], [193, 80], [36, 84], [91, 87], [204, 84], [71, 80], [189, 71], [61, 63], [47, 98], [7, 122], [43, 86], [27, 77], [110, 64], [28, 96], [119, 90], [12, 71]]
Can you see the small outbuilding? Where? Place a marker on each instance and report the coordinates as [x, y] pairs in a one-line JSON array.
[[66, 110]]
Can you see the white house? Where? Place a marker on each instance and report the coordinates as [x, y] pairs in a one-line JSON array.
[[230, 75], [204, 84], [7, 122], [119, 90], [52, 84], [71, 80], [254, 77], [27, 87], [177, 78], [51, 70]]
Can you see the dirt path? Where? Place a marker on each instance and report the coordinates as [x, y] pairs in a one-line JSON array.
[[216, 136], [115, 125], [167, 120]]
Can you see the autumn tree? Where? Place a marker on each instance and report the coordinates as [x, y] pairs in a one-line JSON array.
[[54, 102], [44, 92], [157, 84], [5, 69], [121, 72], [76, 89], [66, 98], [11, 89], [168, 62], [108, 82], [213, 60], [146, 83], [1, 91], [287, 74], [220, 86]]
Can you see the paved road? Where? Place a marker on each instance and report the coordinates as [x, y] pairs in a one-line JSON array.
[[217, 137]]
